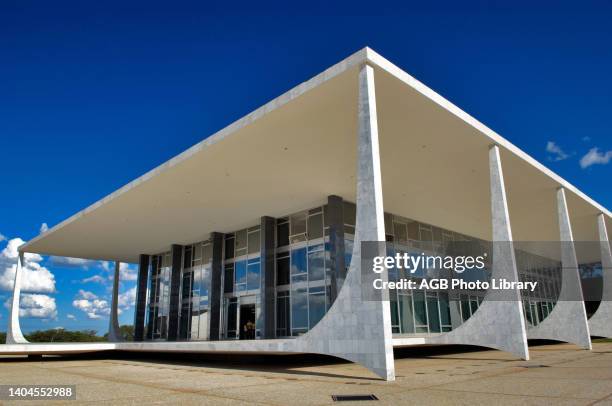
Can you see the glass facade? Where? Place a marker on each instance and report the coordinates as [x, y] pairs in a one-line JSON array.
[[538, 304], [303, 280], [159, 305], [241, 310], [302, 271]]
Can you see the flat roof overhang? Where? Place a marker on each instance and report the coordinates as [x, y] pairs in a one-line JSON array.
[[293, 152]]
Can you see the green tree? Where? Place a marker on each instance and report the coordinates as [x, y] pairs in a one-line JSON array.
[[126, 331], [60, 335]]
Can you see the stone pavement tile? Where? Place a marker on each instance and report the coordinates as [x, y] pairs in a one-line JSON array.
[[200, 381], [183, 399], [119, 372], [117, 391], [301, 392], [517, 385], [33, 376], [568, 372], [604, 402], [423, 397]]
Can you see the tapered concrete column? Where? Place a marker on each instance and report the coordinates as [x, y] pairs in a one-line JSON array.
[[568, 321], [354, 329], [13, 333], [600, 324], [114, 334], [499, 322]]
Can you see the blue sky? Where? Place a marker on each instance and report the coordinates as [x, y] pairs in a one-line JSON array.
[[93, 95]]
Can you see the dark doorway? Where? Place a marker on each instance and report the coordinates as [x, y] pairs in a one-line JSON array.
[[247, 322]]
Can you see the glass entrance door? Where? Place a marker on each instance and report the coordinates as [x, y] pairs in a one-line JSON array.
[[247, 322]]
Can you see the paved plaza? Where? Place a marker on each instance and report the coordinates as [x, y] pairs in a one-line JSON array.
[[557, 374]]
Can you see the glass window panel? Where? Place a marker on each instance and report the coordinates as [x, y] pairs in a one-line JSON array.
[[315, 226], [282, 234], [399, 231], [283, 314], [394, 313], [413, 230], [432, 314], [348, 253], [316, 266], [420, 314], [473, 305], [298, 224], [205, 280], [298, 261], [407, 322], [240, 274], [316, 306], [254, 241], [232, 318], [299, 308], [194, 319], [206, 253], [426, 238], [241, 239], [282, 271], [388, 223], [229, 248], [187, 258], [326, 216], [349, 213], [350, 230], [203, 323], [526, 309], [465, 308], [299, 278], [197, 251], [445, 318], [186, 287], [253, 276], [229, 278]]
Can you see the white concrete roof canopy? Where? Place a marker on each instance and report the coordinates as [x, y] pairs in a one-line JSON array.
[[299, 148]]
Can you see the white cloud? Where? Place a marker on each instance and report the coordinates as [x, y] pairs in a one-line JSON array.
[[34, 278], [555, 151], [127, 299], [44, 228], [586, 138], [127, 272], [91, 305], [2, 238], [74, 262], [37, 306], [85, 294], [71, 316], [94, 279], [594, 157]]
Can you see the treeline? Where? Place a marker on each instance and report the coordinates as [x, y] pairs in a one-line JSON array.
[[60, 335]]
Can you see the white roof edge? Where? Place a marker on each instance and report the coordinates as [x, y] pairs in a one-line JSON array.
[[363, 55], [383, 63], [331, 72]]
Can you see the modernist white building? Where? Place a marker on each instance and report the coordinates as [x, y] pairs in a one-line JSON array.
[[250, 241]]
